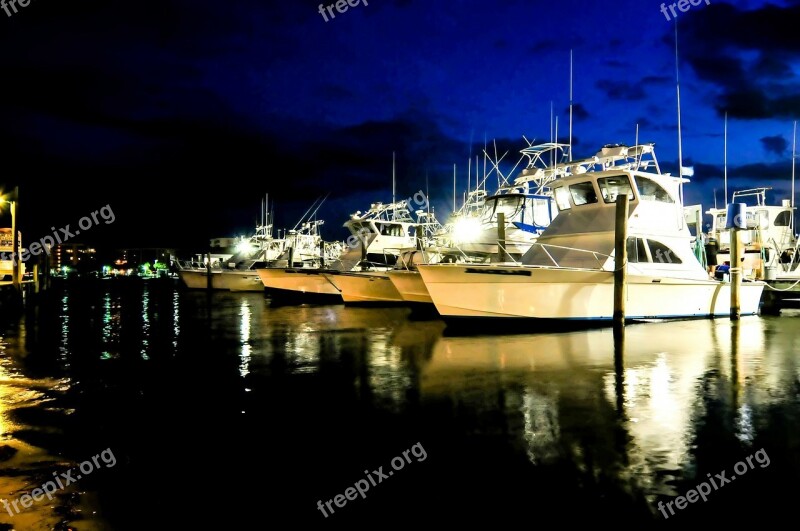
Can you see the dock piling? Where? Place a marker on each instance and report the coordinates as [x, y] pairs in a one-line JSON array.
[[501, 237], [735, 222], [620, 259]]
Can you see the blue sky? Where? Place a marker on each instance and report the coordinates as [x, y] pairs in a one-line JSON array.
[[183, 114]]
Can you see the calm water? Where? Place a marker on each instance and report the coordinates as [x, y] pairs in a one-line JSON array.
[[224, 411]]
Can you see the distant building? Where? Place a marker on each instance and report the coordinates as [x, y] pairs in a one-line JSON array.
[[72, 255], [133, 259]]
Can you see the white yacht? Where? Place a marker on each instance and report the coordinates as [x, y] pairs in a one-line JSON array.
[[526, 204], [237, 272], [385, 232], [769, 240], [377, 236], [472, 235], [568, 274]]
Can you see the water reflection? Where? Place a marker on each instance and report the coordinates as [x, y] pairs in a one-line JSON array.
[[666, 383], [611, 423]]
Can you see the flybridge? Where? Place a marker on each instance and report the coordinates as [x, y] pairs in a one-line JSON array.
[[641, 157]]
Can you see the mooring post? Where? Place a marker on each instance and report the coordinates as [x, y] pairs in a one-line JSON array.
[[322, 254], [209, 283], [620, 259], [736, 220], [501, 237]]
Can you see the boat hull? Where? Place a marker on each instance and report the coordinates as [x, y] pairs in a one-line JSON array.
[[298, 282], [222, 280], [410, 286], [241, 281], [575, 295], [199, 279], [365, 287]]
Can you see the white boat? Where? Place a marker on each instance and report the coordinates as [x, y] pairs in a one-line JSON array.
[[237, 272], [568, 274], [526, 204], [377, 238], [385, 232], [471, 236], [364, 287], [769, 238]]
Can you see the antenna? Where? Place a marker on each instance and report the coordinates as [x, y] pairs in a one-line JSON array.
[[484, 162], [794, 155], [477, 175], [427, 195], [454, 187], [494, 141], [552, 158], [469, 175], [556, 139], [570, 105], [726, 157], [678, 92], [394, 207]]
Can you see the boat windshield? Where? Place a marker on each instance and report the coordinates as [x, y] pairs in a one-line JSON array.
[[611, 187], [509, 205], [649, 190]]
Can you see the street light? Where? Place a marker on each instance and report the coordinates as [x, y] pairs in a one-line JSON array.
[[16, 263]]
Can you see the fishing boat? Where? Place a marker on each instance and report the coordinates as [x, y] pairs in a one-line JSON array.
[[769, 240], [568, 273], [299, 246], [238, 271], [385, 232], [472, 235]]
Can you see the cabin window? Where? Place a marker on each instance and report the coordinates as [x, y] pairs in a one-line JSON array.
[[562, 198], [611, 187], [783, 219], [391, 229], [583, 193], [361, 228], [510, 206], [650, 190], [636, 251], [662, 254]]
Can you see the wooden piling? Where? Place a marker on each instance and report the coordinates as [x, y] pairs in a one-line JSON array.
[[322, 254], [501, 237], [736, 274], [620, 259], [209, 282]]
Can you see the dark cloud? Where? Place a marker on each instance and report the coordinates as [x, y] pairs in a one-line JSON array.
[[579, 112], [774, 144], [621, 90], [747, 55]]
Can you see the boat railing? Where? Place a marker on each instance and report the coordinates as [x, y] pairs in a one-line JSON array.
[[595, 254]]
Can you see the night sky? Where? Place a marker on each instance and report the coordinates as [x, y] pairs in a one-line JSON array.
[[181, 115]]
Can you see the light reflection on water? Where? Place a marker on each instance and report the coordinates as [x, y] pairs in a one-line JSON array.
[[643, 416]]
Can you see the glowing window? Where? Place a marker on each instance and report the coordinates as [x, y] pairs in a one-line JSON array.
[[583, 193]]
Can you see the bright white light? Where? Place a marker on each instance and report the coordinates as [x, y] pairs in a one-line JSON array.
[[466, 230], [244, 247]]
